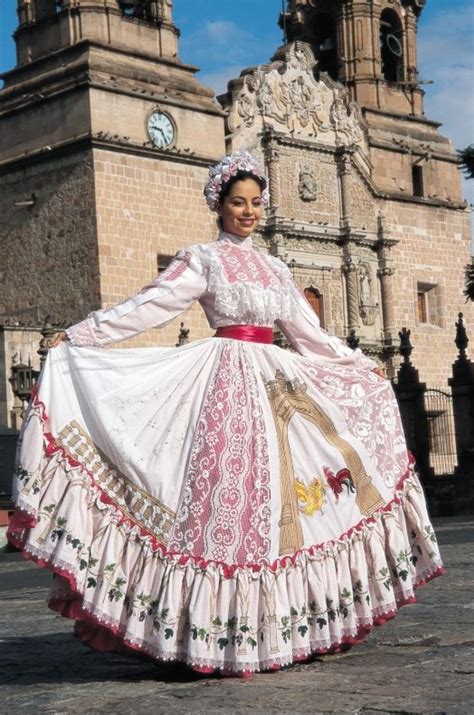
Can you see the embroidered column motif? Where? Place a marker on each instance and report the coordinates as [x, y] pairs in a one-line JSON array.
[[288, 397], [137, 505]]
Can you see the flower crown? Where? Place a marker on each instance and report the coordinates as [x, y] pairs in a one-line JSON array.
[[228, 167]]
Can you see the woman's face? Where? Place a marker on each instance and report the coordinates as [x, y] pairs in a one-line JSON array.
[[242, 208]]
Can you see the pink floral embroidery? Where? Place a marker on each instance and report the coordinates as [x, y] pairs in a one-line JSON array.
[[247, 266], [369, 407]]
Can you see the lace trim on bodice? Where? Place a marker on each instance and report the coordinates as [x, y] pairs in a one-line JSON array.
[[248, 285]]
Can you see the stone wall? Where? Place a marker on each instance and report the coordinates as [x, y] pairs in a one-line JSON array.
[[49, 252], [433, 249], [147, 208]]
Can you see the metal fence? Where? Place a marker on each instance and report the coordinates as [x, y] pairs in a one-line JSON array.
[[441, 431]]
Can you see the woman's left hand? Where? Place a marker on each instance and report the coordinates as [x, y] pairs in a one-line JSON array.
[[378, 371]]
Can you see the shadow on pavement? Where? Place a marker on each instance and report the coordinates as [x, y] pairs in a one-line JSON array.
[[61, 658]]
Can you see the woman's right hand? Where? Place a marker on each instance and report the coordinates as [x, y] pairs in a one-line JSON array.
[[57, 339]]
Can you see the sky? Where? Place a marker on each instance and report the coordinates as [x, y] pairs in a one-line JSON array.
[[222, 37]]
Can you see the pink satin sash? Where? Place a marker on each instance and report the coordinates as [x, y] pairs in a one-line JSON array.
[[249, 333]]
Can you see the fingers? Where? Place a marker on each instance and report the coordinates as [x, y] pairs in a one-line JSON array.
[[57, 339]]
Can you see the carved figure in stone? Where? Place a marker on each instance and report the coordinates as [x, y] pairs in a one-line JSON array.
[[367, 305], [307, 186], [247, 102], [339, 115], [265, 98], [354, 124]]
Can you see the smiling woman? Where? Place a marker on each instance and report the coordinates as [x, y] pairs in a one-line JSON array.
[[229, 503], [240, 205]]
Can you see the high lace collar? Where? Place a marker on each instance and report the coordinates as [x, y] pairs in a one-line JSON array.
[[244, 243]]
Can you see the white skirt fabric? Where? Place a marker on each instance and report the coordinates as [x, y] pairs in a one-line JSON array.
[[227, 504]]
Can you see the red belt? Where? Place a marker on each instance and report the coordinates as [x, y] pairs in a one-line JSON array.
[[250, 333]]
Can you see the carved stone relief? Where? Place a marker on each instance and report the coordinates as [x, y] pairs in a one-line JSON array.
[[286, 96], [307, 185], [367, 306]]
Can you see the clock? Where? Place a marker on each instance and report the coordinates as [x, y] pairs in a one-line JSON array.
[[161, 129]]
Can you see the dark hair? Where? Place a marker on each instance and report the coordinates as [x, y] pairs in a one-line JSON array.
[[240, 176]]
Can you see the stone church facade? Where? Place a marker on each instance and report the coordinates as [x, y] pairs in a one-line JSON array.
[[107, 137]]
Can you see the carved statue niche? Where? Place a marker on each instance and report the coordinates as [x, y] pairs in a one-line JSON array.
[[367, 306], [307, 185]]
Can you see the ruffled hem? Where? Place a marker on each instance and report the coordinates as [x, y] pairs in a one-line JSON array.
[[100, 634], [117, 578]]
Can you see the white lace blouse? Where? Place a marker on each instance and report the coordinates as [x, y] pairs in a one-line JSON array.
[[235, 285]]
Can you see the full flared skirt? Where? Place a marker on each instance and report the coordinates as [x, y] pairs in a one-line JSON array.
[[227, 504]]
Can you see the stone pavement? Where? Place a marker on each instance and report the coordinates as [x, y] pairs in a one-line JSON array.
[[421, 662]]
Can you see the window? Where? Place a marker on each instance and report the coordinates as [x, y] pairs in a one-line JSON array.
[[391, 46], [417, 179], [422, 312], [326, 45], [315, 299], [142, 9], [429, 308]]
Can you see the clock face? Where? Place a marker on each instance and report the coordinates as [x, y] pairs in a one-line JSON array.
[[161, 129]]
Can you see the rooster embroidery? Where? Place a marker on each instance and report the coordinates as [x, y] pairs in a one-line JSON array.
[[310, 497], [343, 478]]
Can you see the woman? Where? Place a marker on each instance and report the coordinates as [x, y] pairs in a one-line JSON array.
[[227, 503]]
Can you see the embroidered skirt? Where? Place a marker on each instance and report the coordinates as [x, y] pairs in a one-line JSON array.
[[227, 504]]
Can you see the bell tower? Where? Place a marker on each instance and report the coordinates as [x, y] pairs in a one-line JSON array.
[[46, 26], [368, 46], [105, 141]]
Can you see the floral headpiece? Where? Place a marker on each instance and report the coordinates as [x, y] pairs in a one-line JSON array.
[[228, 167]]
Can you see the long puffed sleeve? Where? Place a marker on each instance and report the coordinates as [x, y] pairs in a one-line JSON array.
[[305, 335], [172, 292]]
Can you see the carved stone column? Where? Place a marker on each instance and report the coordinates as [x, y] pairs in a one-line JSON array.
[[385, 274], [352, 292], [411, 60], [345, 168], [25, 12], [270, 148], [386, 283]]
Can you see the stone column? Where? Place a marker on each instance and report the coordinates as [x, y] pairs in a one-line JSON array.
[[270, 148], [411, 61], [25, 12], [386, 283], [352, 293], [345, 166], [166, 10], [385, 274]]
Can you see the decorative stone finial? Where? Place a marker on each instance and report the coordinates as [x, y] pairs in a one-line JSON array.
[[406, 348], [352, 340], [461, 339], [183, 336]]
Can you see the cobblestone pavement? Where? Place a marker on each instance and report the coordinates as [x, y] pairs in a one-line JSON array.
[[421, 662]]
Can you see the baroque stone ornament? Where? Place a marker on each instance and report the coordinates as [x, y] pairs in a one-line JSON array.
[[367, 306], [286, 96], [307, 186]]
